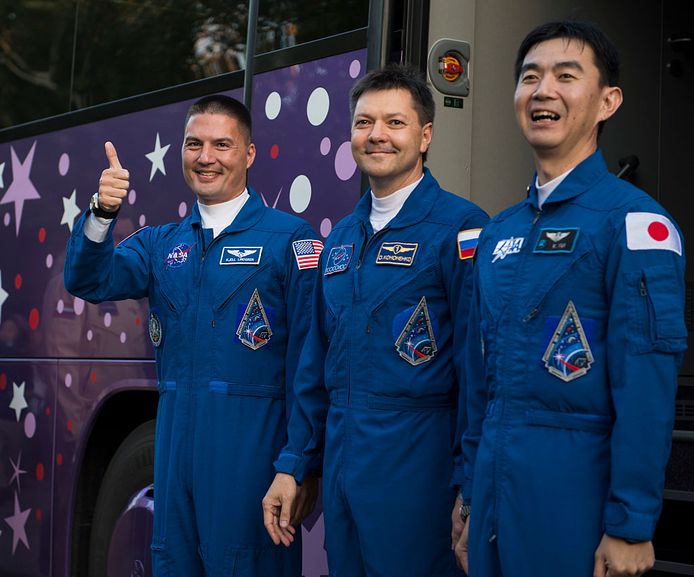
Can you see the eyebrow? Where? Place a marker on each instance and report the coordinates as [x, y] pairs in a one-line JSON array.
[[571, 64]]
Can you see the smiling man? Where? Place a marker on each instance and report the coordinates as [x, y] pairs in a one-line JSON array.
[[229, 305], [576, 332], [378, 382]]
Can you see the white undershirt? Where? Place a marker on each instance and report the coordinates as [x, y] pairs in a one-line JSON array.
[[219, 216], [383, 210], [214, 216], [547, 188]]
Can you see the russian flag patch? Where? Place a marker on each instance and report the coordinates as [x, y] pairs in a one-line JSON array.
[[467, 242], [648, 230]]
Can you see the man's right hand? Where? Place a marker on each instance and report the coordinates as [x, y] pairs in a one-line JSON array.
[[277, 509], [114, 182]]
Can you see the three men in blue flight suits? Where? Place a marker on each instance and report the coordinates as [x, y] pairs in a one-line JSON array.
[[228, 297], [576, 333], [379, 378]]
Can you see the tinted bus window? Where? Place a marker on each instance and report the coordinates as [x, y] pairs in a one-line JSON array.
[[66, 55]]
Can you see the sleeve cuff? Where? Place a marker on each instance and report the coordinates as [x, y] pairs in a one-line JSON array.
[[292, 465], [628, 525]]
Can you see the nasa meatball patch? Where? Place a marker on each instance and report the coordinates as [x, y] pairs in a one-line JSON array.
[[648, 231]]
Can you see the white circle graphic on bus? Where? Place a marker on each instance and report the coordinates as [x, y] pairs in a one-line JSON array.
[[68, 380], [107, 320], [325, 145], [78, 306], [273, 105], [64, 164], [29, 425], [182, 209], [354, 68], [344, 161], [300, 193], [318, 106], [132, 196], [49, 261], [142, 220], [326, 227]]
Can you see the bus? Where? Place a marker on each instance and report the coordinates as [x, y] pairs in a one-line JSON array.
[[78, 390]]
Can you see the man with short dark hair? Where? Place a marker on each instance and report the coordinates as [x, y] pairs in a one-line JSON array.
[[576, 333], [229, 306], [380, 374]]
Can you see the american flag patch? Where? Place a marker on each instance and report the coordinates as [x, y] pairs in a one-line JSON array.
[[307, 253]]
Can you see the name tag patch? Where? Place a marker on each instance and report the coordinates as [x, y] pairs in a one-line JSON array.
[[397, 253], [241, 255], [556, 240], [338, 259]]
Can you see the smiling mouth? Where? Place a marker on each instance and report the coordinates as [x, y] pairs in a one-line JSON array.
[[544, 115]]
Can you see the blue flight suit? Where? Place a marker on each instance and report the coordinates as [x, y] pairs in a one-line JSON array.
[[228, 317], [576, 334], [378, 383]]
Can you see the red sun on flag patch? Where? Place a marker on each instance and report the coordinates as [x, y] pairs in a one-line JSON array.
[[649, 230]]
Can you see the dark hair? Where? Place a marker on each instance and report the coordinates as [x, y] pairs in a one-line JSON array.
[[394, 77], [606, 53], [221, 104]]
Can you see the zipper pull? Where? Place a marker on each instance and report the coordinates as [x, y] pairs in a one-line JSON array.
[[537, 217], [642, 288], [531, 315]]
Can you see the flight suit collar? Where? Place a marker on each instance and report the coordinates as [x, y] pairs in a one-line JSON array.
[[581, 178], [416, 207], [248, 216]]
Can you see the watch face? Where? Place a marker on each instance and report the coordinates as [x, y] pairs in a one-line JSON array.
[[94, 201]]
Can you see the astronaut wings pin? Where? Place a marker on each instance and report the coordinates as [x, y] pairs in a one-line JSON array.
[[568, 355], [254, 329]]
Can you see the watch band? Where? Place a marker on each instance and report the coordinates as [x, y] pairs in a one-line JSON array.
[[96, 210]]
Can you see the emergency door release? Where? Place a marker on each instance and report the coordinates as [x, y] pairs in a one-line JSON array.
[[448, 63]]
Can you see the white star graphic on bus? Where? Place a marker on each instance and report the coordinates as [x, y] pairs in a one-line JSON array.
[[18, 402], [17, 523], [2, 184], [21, 188], [16, 471], [3, 296], [156, 157], [70, 210]]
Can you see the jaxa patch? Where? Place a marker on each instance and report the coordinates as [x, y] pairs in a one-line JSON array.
[[178, 255], [397, 253], [254, 329], [241, 255], [416, 343], [557, 240], [338, 259], [155, 332], [506, 247], [568, 355]]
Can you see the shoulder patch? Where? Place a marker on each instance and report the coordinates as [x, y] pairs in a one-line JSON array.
[[467, 242], [307, 252], [649, 230]]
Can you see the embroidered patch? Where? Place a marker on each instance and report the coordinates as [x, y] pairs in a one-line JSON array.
[[178, 255], [557, 240], [467, 242], [241, 255], [416, 343], [307, 253], [568, 355], [397, 253], [506, 247], [338, 259], [254, 329], [648, 230], [155, 332]]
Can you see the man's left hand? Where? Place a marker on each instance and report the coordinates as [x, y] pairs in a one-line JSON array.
[[615, 557]]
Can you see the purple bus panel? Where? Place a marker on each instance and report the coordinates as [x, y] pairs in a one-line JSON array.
[[64, 361]]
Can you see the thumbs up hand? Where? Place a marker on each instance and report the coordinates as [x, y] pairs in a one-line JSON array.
[[114, 182]]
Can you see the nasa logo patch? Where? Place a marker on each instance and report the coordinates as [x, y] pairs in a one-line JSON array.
[[553, 240], [178, 255]]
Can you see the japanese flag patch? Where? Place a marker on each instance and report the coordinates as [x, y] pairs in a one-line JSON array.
[[648, 230]]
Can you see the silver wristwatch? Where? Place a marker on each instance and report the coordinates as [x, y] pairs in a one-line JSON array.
[[464, 511]]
